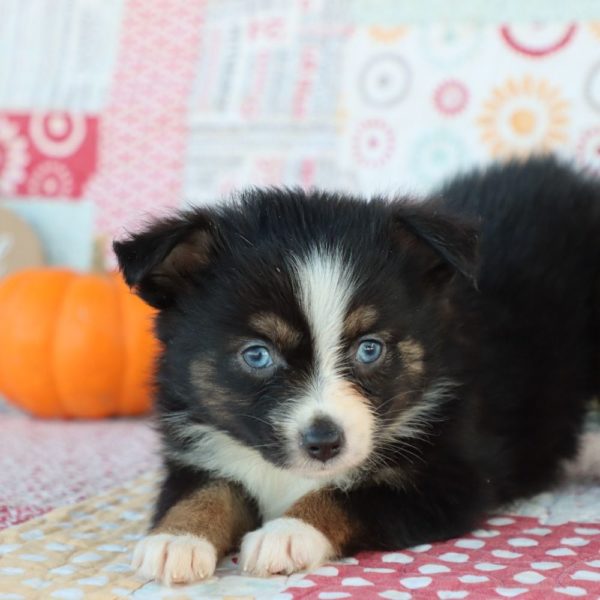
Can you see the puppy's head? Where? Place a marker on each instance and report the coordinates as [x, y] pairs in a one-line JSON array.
[[300, 325]]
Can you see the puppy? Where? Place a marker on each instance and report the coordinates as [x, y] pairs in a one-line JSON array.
[[340, 375]]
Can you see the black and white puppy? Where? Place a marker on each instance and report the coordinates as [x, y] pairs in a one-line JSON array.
[[340, 375]]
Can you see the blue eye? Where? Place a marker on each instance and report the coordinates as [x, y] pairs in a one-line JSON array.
[[369, 351], [257, 357]]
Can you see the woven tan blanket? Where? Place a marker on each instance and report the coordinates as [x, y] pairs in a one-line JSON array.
[[79, 551], [83, 551]]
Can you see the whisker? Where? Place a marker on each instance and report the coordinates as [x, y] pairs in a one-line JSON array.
[[259, 419]]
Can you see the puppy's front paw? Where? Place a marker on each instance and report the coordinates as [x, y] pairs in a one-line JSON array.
[[284, 545], [174, 558]]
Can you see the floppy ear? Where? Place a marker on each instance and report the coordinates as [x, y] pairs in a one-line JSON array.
[[160, 261], [439, 244]]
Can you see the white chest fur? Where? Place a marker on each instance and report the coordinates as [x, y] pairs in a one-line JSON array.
[[274, 489]]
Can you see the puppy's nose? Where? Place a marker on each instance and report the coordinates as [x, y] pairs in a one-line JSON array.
[[323, 440]]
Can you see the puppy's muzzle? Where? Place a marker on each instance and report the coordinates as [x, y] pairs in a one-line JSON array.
[[322, 440]]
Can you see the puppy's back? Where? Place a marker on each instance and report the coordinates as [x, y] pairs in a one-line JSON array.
[[538, 306]]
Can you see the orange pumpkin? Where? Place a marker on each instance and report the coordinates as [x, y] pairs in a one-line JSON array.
[[74, 345]]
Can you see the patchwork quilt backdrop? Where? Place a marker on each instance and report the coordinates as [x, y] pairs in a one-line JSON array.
[[114, 110]]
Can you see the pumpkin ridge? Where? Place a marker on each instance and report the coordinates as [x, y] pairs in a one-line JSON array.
[[52, 349]]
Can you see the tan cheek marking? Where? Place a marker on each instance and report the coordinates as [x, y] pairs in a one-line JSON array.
[[275, 328], [412, 354], [202, 373], [219, 512], [359, 321], [321, 510]]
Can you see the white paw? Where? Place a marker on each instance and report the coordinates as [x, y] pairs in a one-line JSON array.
[[284, 545], [174, 558]]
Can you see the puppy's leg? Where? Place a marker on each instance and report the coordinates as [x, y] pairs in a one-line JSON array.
[[190, 536], [315, 529], [331, 523]]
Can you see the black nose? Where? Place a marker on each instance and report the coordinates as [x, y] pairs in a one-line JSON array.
[[323, 440]]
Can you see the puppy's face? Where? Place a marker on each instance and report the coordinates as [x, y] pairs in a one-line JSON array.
[[300, 326]]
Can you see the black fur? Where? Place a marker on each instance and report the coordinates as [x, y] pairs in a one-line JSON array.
[[511, 315]]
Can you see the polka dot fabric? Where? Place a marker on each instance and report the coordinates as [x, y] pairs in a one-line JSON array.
[[511, 557]]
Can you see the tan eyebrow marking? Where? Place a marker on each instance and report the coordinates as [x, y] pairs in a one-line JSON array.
[[360, 320], [275, 328], [412, 354]]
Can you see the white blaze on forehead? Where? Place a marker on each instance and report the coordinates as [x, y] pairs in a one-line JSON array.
[[325, 286]]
